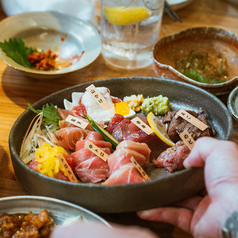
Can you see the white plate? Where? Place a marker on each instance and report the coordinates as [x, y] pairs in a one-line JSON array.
[[75, 99], [179, 4], [65, 35]]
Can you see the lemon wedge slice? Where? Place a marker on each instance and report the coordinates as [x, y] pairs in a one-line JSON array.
[[125, 15], [159, 129]]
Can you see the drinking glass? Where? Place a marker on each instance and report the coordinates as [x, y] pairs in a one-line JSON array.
[[129, 30]]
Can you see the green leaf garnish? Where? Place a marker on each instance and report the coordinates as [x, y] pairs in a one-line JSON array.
[[17, 50], [50, 114], [193, 74]]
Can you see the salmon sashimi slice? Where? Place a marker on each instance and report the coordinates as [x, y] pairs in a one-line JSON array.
[[67, 137], [127, 174]]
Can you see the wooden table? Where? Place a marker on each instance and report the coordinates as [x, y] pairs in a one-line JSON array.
[[17, 90]]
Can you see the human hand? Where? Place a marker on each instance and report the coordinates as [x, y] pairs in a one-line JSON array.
[[205, 216], [99, 230]]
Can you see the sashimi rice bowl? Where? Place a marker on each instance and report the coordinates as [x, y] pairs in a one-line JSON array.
[[105, 144]]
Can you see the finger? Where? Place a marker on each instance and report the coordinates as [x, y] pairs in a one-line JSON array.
[[180, 217], [210, 148], [189, 203]]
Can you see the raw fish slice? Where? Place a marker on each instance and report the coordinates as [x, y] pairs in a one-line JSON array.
[[127, 174], [122, 156], [81, 155], [65, 113], [141, 148], [84, 154], [93, 170], [99, 143], [94, 135], [68, 136], [123, 129]]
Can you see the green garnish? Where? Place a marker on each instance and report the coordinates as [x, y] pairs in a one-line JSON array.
[[50, 114], [17, 50], [193, 74], [107, 136]]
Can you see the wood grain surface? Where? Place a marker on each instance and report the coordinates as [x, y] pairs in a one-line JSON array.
[[16, 91]]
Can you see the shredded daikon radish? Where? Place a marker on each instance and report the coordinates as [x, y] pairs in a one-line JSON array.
[[29, 143]]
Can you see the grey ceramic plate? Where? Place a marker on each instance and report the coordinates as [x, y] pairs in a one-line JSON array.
[[232, 103], [59, 210], [65, 35], [163, 188]]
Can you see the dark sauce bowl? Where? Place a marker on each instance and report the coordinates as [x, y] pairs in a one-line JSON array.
[[170, 49]]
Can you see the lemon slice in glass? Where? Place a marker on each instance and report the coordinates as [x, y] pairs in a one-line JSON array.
[[125, 15], [159, 129]]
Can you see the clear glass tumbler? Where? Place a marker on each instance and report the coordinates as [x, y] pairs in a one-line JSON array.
[[129, 30]]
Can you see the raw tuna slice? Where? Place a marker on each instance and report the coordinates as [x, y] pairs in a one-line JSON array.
[[89, 167], [123, 129], [93, 170], [123, 156], [127, 174]]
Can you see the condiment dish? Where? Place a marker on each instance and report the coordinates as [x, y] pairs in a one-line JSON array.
[[207, 49]]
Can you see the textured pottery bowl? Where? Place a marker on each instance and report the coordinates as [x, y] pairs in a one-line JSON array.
[[170, 49], [59, 210], [232, 103], [164, 187], [65, 35]]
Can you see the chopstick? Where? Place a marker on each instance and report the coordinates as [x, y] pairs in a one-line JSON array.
[[170, 12]]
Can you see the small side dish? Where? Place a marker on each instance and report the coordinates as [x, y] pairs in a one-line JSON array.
[[26, 225], [36, 216], [205, 57], [32, 58], [71, 48]]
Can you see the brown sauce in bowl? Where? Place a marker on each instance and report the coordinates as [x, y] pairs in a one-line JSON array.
[[26, 225], [211, 57]]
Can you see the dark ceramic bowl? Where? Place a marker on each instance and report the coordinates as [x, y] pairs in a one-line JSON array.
[[164, 187], [168, 50]]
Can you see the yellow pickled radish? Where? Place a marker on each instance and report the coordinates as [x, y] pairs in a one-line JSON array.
[[159, 129], [125, 15], [122, 108]]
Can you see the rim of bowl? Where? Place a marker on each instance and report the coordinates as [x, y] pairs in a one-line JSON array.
[[230, 103]]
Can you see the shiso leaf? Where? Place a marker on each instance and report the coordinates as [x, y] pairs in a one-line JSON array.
[[16, 49]]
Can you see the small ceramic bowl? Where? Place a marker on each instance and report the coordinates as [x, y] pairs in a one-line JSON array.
[[232, 103], [208, 41], [60, 211], [65, 35]]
